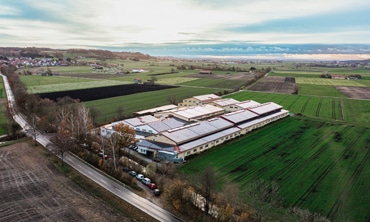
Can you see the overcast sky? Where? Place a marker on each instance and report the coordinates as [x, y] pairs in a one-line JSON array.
[[115, 23]]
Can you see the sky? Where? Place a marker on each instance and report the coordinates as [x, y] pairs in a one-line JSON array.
[[191, 24]]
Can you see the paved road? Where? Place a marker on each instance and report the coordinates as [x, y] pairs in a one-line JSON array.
[[103, 180]]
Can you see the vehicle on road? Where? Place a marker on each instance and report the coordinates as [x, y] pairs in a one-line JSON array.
[[146, 181], [140, 176], [156, 192], [152, 186], [126, 169], [132, 173]]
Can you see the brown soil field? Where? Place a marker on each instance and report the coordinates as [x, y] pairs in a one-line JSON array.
[[278, 84], [31, 189], [355, 92]]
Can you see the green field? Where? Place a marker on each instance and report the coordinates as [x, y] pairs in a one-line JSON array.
[[332, 82], [318, 90], [141, 101], [326, 108], [315, 168]]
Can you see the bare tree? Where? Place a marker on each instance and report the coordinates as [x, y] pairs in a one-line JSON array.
[[208, 185], [172, 99], [114, 142], [33, 128], [86, 123]]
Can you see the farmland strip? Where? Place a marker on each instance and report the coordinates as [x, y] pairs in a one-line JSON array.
[[341, 109], [339, 202], [312, 187], [305, 105], [318, 108], [290, 105], [333, 109]]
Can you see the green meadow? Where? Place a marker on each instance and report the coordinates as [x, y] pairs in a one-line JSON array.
[[320, 107], [318, 165]]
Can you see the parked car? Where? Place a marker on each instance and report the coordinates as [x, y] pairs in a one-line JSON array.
[[146, 181], [140, 176], [152, 186], [132, 173], [156, 192], [101, 155], [126, 169]]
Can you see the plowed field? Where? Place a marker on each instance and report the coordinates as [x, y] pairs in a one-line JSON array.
[[355, 92], [32, 190], [276, 84]]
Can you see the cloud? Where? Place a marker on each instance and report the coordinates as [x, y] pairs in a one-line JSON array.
[[123, 22]]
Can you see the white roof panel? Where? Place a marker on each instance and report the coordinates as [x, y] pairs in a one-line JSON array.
[[207, 97], [157, 109], [141, 120], [247, 103], [196, 130], [226, 102], [239, 116], [166, 124], [195, 112], [201, 141], [261, 119], [265, 108]]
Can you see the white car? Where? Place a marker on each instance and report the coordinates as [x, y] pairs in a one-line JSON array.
[[146, 181], [140, 176]]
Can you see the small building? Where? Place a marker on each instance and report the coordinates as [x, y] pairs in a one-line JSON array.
[[138, 81], [338, 76], [227, 104], [199, 100], [205, 72]]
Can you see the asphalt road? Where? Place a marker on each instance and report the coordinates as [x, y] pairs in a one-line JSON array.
[[98, 177]]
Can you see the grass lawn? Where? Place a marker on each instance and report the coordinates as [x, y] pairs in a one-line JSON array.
[[315, 168]]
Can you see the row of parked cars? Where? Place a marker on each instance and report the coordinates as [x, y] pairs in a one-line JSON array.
[[146, 181]]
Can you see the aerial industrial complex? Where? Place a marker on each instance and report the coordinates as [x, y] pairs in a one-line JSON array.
[[199, 123]]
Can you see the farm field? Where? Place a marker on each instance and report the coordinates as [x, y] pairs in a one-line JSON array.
[[104, 92], [32, 189], [277, 84], [319, 166], [319, 90], [326, 108], [297, 73], [141, 101], [42, 84], [332, 82]]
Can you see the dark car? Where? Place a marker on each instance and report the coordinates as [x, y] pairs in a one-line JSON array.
[[126, 169], [156, 192], [132, 173], [101, 155]]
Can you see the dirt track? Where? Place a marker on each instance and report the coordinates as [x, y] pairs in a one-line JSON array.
[[32, 190]]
